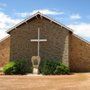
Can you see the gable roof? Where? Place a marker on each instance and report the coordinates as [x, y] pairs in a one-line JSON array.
[[45, 16], [49, 18]]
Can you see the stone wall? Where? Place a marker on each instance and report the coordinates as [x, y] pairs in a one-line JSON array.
[[4, 51], [56, 46], [61, 45], [79, 54]]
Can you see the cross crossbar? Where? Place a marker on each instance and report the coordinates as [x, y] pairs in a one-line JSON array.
[[38, 40]]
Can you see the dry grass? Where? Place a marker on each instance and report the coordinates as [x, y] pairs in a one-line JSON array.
[[79, 81]]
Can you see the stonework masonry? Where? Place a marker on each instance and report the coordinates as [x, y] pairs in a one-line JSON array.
[[56, 46], [79, 55], [4, 51]]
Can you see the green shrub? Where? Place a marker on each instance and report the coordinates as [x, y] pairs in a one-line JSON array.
[[62, 69], [53, 67], [17, 67], [22, 67], [48, 67], [9, 68]]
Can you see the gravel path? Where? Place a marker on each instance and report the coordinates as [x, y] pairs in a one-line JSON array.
[[78, 81]]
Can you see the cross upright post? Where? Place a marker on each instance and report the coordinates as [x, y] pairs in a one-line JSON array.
[[38, 41]]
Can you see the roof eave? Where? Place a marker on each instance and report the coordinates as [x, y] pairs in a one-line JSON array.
[[81, 38], [4, 38]]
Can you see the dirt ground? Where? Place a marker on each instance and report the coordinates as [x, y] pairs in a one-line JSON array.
[[78, 81]]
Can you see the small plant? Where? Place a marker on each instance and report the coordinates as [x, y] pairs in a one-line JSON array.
[[17, 67], [9, 68], [62, 69]]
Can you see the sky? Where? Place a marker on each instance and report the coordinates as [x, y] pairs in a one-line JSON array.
[[73, 13]]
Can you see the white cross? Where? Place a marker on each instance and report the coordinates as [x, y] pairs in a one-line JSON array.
[[38, 40]]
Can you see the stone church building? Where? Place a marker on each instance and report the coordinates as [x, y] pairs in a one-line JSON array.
[[62, 44]]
